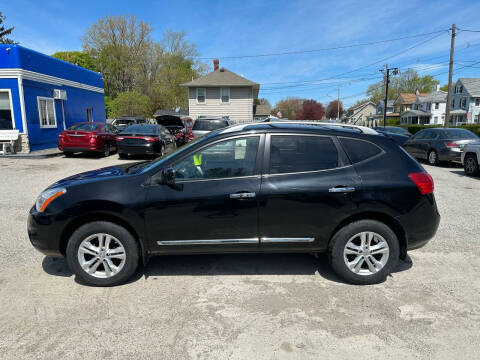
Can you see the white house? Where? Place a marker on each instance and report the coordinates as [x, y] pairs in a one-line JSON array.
[[222, 93], [428, 109], [465, 107]]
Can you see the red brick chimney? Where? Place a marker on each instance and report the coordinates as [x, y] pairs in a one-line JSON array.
[[215, 64]]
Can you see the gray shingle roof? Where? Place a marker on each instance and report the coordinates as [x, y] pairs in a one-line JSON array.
[[389, 103], [435, 96], [472, 85], [220, 77]]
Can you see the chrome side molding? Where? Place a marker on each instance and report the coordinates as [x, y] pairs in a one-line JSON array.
[[209, 242], [286, 240]]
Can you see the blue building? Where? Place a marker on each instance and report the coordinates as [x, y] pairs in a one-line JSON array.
[[41, 96]]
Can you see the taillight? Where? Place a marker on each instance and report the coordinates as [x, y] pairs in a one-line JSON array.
[[423, 181], [451, 144], [150, 139], [119, 138]]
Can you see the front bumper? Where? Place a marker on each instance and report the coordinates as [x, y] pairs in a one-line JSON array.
[[44, 232]]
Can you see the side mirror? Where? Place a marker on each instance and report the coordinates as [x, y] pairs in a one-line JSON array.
[[169, 176]]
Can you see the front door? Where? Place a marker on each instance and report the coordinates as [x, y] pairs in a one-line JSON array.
[[213, 204], [306, 189]]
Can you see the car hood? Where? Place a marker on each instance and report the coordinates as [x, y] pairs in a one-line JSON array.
[[106, 173]]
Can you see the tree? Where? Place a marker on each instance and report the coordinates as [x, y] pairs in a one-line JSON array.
[[130, 103], [4, 32], [262, 101], [407, 82], [118, 45], [444, 87], [311, 110], [289, 107], [80, 58], [332, 110]]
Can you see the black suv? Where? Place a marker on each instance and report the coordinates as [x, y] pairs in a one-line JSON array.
[[266, 187]]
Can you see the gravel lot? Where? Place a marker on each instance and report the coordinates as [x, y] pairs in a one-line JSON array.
[[239, 306]]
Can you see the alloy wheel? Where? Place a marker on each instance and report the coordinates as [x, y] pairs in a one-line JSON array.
[[366, 253], [432, 157], [470, 165], [101, 255]]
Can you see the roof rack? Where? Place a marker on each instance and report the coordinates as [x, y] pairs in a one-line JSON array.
[[363, 129]]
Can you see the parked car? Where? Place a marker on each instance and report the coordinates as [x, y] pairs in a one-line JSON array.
[[88, 137], [248, 188], [179, 126], [397, 134], [124, 121], [470, 157], [393, 129], [204, 125], [145, 139], [439, 144]]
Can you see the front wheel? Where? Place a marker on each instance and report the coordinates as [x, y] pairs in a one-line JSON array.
[[433, 158], [470, 165], [364, 252], [102, 253]]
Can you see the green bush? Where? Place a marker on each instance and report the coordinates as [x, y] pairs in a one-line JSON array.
[[412, 129]]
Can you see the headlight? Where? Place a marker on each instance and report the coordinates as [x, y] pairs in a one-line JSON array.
[[47, 197]]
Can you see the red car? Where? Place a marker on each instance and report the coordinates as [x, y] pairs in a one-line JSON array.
[[179, 126], [88, 137]]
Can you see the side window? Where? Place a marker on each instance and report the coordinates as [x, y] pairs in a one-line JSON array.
[[430, 135], [359, 150], [420, 135], [229, 158], [289, 154]]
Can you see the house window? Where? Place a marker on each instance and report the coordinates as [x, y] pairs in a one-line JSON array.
[[46, 112], [453, 103], [437, 106], [477, 102], [475, 119], [6, 111], [201, 95], [89, 114], [429, 106], [435, 119], [225, 95], [464, 102]]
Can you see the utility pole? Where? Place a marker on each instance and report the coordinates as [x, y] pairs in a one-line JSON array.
[[338, 105], [386, 72], [450, 71]]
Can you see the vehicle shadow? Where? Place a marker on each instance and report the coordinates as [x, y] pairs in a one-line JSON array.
[[225, 264], [462, 173], [86, 155]]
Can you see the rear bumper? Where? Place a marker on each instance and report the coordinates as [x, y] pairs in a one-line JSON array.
[[148, 148], [79, 149], [421, 223]]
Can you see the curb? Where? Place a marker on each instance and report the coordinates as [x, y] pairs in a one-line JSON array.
[[30, 156]]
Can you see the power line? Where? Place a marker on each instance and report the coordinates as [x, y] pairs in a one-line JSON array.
[[322, 49], [468, 30]]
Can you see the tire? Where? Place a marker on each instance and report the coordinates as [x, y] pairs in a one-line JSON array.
[[106, 150], [350, 235], [432, 158], [122, 156], [119, 271], [162, 150], [470, 165], [68, 153]]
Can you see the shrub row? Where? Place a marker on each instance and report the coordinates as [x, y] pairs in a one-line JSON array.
[[412, 129]]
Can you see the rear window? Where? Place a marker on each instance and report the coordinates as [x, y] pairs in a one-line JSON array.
[[458, 134], [84, 127], [359, 150], [209, 125], [141, 129], [289, 154]]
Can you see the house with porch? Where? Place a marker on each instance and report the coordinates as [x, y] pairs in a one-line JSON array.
[[404, 101], [465, 107], [40, 96], [222, 93], [428, 109]]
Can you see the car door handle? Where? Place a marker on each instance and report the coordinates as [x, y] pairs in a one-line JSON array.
[[341, 189], [243, 195]]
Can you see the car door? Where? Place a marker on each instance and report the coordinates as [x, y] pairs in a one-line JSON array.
[[412, 144], [213, 204], [306, 186], [425, 143]]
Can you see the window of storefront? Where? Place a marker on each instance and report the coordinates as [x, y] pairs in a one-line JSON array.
[[6, 111]]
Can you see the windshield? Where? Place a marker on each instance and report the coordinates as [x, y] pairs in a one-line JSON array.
[[209, 125], [140, 129], [84, 127], [458, 134]]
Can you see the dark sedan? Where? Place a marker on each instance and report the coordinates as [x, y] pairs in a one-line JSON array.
[[145, 139], [275, 187], [439, 144], [397, 134]]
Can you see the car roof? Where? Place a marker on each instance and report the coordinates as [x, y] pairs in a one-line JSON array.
[[300, 126]]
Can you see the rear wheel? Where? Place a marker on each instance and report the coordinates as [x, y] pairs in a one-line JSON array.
[[106, 150], [432, 158], [364, 252], [102, 253], [470, 165], [122, 155]]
